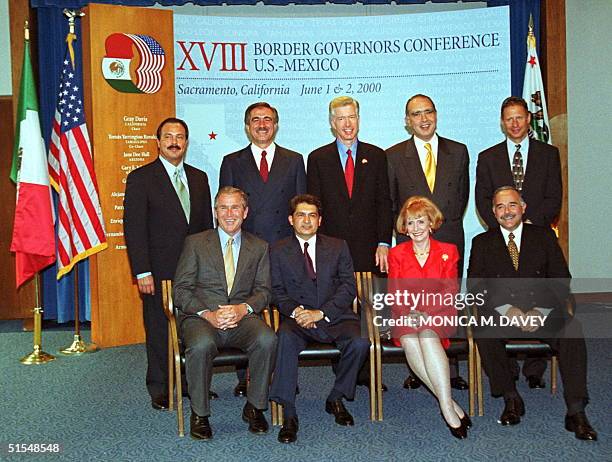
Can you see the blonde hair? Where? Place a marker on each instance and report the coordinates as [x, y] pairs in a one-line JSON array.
[[419, 206], [341, 101]]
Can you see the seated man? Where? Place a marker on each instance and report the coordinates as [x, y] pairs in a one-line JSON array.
[[521, 272], [222, 283], [314, 287]]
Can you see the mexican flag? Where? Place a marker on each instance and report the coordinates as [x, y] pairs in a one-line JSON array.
[[33, 234]]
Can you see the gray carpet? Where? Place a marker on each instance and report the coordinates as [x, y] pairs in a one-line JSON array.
[[96, 407]]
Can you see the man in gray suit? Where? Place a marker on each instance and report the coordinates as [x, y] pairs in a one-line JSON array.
[[437, 168], [221, 284]]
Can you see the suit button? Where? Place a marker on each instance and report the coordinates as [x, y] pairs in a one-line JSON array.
[[511, 295]]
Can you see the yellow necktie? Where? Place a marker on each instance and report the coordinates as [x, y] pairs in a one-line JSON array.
[[430, 168], [514, 252], [228, 262]]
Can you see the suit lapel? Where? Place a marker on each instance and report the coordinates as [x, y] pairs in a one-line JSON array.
[[252, 176], [501, 249], [533, 167], [501, 165], [413, 168], [323, 276], [333, 165], [278, 170], [216, 255], [443, 169], [244, 256]]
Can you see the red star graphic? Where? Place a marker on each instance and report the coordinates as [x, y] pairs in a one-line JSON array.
[[532, 61], [212, 136]]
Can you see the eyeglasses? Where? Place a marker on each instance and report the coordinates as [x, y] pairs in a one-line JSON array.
[[424, 112]]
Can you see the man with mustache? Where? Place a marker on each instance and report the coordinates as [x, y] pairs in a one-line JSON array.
[[165, 201], [270, 175], [522, 274], [534, 168]]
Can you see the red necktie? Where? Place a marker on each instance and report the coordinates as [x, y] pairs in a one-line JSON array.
[[309, 266], [263, 167], [349, 172]]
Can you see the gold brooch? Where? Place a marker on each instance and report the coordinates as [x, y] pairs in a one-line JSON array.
[[444, 257], [364, 161]]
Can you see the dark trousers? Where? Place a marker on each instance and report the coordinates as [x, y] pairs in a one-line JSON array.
[[156, 338], [202, 343], [292, 339], [568, 343]]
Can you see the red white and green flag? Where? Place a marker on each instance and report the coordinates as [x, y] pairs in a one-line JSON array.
[[33, 234]]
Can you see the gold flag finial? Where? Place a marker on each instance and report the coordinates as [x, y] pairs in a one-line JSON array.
[[531, 40], [71, 37], [26, 31], [530, 24]]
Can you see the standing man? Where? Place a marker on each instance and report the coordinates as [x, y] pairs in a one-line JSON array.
[[350, 177], [437, 168], [534, 169], [314, 286], [165, 201], [221, 285], [270, 175], [521, 272]]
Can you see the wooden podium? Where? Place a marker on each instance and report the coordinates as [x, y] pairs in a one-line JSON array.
[[128, 78]]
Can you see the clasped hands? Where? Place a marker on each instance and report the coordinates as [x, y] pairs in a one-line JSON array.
[[226, 316], [527, 324], [416, 318], [307, 319]]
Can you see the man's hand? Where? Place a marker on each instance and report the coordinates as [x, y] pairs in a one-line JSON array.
[[533, 317], [514, 312], [146, 285], [382, 252], [307, 318], [230, 315]]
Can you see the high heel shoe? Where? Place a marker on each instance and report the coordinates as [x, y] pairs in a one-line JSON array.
[[466, 421], [459, 432]]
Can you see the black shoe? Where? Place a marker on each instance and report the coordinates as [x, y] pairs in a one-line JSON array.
[[535, 382], [339, 411], [458, 383], [513, 410], [459, 432], [240, 389], [579, 424], [412, 383], [288, 432], [466, 421], [256, 419], [212, 395], [200, 427], [160, 403]]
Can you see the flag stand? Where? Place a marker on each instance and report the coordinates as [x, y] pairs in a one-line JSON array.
[[78, 346], [37, 356]]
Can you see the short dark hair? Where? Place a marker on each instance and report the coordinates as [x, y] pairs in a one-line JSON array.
[[513, 101], [231, 190], [506, 188], [305, 199], [419, 95], [172, 120], [247, 113]]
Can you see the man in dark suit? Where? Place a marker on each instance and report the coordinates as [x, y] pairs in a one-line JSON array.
[[428, 158], [222, 283], [314, 287], [270, 175], [522, 278], [350, 177], [165, 201], [534, 169]]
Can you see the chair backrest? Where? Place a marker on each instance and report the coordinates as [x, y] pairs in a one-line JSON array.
[[364, 289]]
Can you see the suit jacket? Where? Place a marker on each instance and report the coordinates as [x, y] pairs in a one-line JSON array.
[[268, 202], [363, 220], [451, 189], [542, 186], [542, 278], [153, 219], [199, 282], [333, 291]]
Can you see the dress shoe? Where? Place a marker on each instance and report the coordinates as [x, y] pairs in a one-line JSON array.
[[339, 411], [212, 395], [466, 421], [459, 432], [288, 432], [513, 410], [159, 403], [240, 389], [535, 382], [458, 383], [412, 383], [200, 427], [579, 424], [255, 418]]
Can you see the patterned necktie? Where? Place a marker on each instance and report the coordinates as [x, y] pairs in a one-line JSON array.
[[228, 262], [263, 167], [513, 250], [430, 168], [518, 173], [349, 172], [309, 266], [182, 193]]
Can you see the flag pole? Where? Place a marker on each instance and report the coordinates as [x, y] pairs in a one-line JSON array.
[[78, 346], [38, 356]]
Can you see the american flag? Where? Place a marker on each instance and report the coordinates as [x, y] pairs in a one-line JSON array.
[[80, 228], [152, 60]]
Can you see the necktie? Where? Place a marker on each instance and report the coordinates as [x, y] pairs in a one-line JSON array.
[[430, 168], [228, 262], [309, 266], [182, 193], [263, 167], [349, 172], [513, 250], [518, 173]]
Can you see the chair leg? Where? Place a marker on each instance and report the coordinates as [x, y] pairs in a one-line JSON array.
[[170, 371], [479, 385], [373, 384], [554, 364], [379, 379], [472, 383], [179, 396]]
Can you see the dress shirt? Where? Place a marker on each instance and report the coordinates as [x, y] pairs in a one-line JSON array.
[[342, 148], [511, 145], [270, 150], [312, 244], [224, 237], [420, 147]]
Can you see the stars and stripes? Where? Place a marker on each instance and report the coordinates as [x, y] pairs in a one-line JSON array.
[[152, 60]]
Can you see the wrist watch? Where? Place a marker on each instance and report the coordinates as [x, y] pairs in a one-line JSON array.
[[249, 309]]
